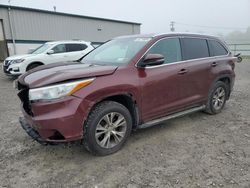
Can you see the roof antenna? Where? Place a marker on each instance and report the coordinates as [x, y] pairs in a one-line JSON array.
[[54, 7]]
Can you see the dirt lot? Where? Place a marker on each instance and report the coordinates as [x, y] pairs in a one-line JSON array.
[[198, 150]]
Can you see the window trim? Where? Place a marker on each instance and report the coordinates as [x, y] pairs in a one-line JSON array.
[[183, 61]]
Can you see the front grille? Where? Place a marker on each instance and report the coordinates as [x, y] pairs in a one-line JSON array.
[[6, 65], [24, 97]]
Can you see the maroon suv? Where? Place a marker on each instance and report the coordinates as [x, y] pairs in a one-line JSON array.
[[127, 83]]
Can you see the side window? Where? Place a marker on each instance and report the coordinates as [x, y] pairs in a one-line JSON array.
[[169, 48], [216, 49], [75, 47], [60, 48], [194, 48]]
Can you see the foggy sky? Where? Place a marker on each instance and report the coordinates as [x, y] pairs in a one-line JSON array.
[[155, 16]]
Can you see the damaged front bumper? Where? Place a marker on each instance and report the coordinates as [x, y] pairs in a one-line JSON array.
[[31, 132]]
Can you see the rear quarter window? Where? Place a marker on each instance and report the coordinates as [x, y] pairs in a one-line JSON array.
[[194, 48], [216, 48]]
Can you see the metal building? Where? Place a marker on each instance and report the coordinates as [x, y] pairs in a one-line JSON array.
[[22, 28]]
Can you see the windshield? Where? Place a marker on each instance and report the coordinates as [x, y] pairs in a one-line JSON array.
[[41, 49], [116, 52]]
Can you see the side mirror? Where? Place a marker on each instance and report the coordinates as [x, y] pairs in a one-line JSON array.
[[152, 60], [50, 52], [239, 59]]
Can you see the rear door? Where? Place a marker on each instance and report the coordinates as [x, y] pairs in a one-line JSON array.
[[198, 66], [59, 54]]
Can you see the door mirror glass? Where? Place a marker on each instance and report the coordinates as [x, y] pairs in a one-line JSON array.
[[50, 52], [152, 60]]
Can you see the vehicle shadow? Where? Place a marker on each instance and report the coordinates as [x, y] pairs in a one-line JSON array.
[[140, 135]]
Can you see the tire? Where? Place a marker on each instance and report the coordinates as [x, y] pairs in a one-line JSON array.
[[217, 98], [101, 137], [32, 66]]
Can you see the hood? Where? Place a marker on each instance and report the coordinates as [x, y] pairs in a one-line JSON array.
[[60, 72], [20, 56]]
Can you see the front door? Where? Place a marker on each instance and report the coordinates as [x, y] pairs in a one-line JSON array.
[[164, 86], [60, 54]]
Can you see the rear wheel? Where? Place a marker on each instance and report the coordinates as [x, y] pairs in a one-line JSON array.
[[217, 98], [107, 128]]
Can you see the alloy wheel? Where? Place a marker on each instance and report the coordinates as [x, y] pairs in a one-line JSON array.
[[219, 98], [110, 130]]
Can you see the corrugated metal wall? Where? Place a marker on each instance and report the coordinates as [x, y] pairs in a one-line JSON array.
[[36, 25], [4, 17]]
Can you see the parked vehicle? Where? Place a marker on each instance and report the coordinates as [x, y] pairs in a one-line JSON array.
[[50, 52], [130, 82]]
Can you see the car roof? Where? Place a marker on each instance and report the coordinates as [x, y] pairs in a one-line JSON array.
[[172, 34], [68, 41]]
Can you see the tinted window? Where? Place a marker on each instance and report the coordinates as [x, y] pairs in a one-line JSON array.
[[169, 48], [59, 48], [216, 49], [194, 48], [75, 47]]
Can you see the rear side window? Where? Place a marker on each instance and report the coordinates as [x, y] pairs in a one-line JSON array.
[[194, 48], [75, 47], [169, 48], [216, 49]]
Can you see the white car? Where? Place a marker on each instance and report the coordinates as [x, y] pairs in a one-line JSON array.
[[50, 52]]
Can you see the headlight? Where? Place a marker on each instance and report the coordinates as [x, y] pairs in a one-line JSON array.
[[16, 61], [57, 91]]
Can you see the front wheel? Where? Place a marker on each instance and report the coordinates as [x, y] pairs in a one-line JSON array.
[[32, 66], [217, 98], [107, 128]]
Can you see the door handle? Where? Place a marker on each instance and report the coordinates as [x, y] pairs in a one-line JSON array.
[[183, 71], [214, 64]]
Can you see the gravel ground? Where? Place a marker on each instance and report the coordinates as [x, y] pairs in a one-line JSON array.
[[197, 150]]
